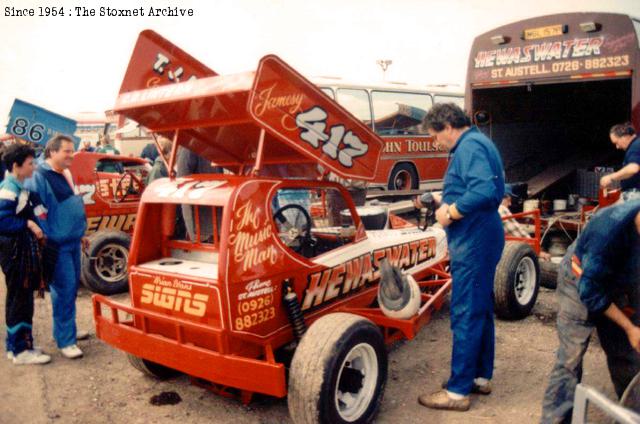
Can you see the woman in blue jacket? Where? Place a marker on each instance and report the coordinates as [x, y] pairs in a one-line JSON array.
[[19, 254]]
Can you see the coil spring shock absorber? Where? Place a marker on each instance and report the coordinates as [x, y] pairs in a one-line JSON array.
[[290, 300]]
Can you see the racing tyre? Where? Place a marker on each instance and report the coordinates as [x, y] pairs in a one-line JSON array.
[[151, 368], [403, 177], [338, 372], [631, 396], [548, 274], [516, 282], [104, 267]]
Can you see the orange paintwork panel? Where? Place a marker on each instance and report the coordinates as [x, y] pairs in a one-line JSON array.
[[155, 61], [303, 117]]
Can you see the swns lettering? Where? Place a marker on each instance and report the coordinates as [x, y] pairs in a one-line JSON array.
[[174, 298], [364, 270]]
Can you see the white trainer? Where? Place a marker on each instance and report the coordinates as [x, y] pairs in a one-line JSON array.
[[30, 357], [71, 352], [10, 354], [82, 335]]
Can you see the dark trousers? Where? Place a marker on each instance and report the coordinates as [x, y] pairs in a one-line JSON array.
[[574, 331], [18, 312]]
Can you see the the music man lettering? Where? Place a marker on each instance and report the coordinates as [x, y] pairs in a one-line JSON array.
[[248, 238]]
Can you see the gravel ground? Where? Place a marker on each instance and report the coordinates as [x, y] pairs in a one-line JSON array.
[[103, 388]]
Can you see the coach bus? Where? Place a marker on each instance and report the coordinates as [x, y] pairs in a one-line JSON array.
[[548, 89], [395, 111]]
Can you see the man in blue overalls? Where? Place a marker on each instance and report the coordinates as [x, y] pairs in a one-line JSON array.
[[597, 287], [64, 223], [624, 137], [473, 189]]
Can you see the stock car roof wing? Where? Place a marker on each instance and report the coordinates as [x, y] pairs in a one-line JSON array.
[[270, 116]]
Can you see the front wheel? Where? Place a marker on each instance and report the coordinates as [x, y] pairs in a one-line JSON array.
[[338, 372], [151, 368], [104, 267], [517, 281]]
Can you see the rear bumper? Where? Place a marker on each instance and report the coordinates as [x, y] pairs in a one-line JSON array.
[[254, 375]]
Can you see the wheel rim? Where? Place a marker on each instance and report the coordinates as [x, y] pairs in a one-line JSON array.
[[357, 381], [111, 263], [525, 280], [402, 181]]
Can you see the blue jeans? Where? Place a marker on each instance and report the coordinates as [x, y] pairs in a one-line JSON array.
[[574, 331], [64, 289]]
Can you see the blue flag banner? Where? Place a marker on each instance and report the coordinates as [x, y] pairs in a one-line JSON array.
[[36, 124]]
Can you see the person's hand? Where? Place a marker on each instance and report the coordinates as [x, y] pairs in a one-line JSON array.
[[441, 215], [606, 181], [633, 334], [37, 231], [85, 243], [437, 197]]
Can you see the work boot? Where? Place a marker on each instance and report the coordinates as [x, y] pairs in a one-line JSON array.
[[31, 357], [442, 400], [71, 352], [480, 389]]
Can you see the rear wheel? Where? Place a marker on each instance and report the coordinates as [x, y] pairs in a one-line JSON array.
[[104, 267], [338, 372], [516, 282], [403, 177], [151, 368]]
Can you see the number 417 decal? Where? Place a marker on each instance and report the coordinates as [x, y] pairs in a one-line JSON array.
[[337, 145]]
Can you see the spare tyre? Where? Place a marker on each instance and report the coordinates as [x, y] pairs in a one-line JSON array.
[[549, 274], [104, 264]]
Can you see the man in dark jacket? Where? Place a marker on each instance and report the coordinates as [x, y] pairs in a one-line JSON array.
[[598, 287]]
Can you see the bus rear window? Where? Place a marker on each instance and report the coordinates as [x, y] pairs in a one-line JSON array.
[[398, 113], [357, 102]]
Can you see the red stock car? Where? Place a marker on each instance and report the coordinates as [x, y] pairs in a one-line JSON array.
[[110, 187], [267, 292]]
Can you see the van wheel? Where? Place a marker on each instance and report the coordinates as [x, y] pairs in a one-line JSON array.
[[403, 177], [151, 368], [549, 274], [517, 281], [104, 267], [338, 372]]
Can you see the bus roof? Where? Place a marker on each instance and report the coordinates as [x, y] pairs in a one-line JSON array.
[[337, 82]]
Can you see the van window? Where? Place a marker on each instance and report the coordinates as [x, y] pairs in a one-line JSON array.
[[357, 102], [398, 113]]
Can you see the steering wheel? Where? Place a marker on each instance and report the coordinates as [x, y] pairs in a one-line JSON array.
[[119, 194], [294, 226]]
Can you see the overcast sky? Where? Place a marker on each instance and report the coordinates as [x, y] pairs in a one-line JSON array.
[[73, 64]]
